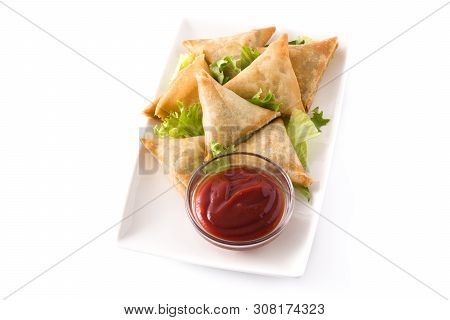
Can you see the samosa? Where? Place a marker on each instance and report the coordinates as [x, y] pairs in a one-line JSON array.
[[217, 48], [227, 117], [150, 110], [180, 156], [309, 62], [183, 88], [273, 142], [273, 71]]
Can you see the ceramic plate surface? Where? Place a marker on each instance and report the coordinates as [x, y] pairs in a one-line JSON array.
[[162, 227]]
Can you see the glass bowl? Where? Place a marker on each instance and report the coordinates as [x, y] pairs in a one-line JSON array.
[[240, 159]]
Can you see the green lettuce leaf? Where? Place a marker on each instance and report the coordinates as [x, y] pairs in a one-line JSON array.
[[318, 119], [221, 164], [218, 149], [301, 128], [183, 124], [247, 56], [224, 69], [183, 61], [227, 68], [267, 102], [301, 40], [304, 191], [297, 42], [301, 150]]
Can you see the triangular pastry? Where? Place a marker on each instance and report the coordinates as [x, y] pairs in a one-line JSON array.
[[273, 142], [182, 88], [180, 156], [227, 117], [150, 110], [272, 70], [217, 48], [309, 62]]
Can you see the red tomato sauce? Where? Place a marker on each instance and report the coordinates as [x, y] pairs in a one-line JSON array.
[[239, 204]]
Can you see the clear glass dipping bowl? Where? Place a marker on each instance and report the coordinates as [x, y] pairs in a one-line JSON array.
[[239, 159]]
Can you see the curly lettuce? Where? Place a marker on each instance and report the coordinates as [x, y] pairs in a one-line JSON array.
[[224, 69], [317, 118], [248, 55], [301, 128], [267, 102], [183, 61], [301, 40], [218, 149], [228, 67], [182, 124], [218, 165], [298, 41]]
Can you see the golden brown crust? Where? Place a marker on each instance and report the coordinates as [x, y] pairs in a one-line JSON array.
[[215, 49], [309, 62], [180, 156], [150, 110], [183, 88], [227, 118], [151, 144], [273, 142], [180, 187], [272, 70]]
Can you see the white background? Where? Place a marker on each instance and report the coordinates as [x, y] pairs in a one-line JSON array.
[[68, 142]]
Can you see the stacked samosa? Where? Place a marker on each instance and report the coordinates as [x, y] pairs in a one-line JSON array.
[[290, 74], [182, 88], [227, 117], [215, 49], [181, 156], [309, 62], [273, 71]]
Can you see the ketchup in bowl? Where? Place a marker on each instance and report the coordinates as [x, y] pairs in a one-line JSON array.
[[239, 204]]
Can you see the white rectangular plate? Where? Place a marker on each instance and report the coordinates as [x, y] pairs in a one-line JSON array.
[[162, 227]]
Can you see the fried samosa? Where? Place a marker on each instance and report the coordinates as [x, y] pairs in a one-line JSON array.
[[180, 156], [309, 62], [215, 49], [182, 88], [150, 110], [227, 117], [273, 71], [273, 142]]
